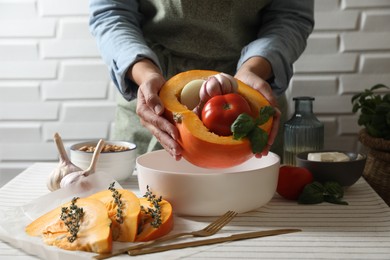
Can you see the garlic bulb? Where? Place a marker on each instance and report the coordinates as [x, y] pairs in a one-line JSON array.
[[219, 84], [64, 167], [71, 178], [78, 175]]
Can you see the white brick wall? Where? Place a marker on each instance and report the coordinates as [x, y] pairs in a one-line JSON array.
[[347, 53], [49, 63]]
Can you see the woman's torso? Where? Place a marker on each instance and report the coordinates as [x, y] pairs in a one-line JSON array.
[[201, 34]]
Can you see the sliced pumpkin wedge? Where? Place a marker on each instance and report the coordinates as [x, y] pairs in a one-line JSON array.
[[146, 231], [94, 234], [127, 230]]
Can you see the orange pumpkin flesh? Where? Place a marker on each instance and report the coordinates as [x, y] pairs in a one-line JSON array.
[[99, 226], [200, 146], [127, 231], [94, 234], [148, 232]]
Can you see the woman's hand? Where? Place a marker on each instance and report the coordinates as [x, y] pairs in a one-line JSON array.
[[219, 84], [150, 107], [254, 72]]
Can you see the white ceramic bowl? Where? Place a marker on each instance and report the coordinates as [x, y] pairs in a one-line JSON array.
[[120, 165], [196, 191]]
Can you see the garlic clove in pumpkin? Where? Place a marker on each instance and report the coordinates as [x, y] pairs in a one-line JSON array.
[[74, 177], [210, 88], [227, 82], [189, 96], [218, 84], [64, 167]]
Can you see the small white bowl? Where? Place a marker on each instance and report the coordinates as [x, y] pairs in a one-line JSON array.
[[197, 191], [120, 165]]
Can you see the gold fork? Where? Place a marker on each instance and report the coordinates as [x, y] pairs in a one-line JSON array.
[[210, 230]]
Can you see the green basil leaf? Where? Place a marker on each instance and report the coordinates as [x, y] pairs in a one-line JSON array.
[[374, 108], [334, 189], [258, 139], [364, 119], [383, 108], [373, 131], [334, 192], [242, 126], [333, 200], [386, 98], [378, 86], [246, 126], [313, 193], [265, 114], [355, 97]]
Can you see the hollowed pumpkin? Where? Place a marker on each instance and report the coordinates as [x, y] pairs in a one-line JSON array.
[[127, 231], [94, 234], [200, 146], [147, 231]]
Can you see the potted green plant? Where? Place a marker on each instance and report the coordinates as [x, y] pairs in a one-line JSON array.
[[374, 116]]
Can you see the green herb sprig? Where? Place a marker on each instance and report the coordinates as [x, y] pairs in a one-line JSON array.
[[72, 217], [374, 111], [155, 211], [119, 204], [247, 126], [316, 192]]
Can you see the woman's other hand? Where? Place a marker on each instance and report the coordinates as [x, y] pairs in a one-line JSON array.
[[254, 72], [150, 108]]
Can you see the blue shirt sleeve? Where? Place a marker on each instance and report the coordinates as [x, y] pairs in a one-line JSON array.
[[285, 27], [116, 24]]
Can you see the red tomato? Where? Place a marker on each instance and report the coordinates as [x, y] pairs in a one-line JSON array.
[[219, 112], [292, 180]]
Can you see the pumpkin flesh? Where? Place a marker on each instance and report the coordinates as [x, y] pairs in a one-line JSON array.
[[147, 231], [126, 231], [94, 234]]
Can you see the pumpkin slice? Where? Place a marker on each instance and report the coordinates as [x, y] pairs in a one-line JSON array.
[[147, 231], [127, 230], [200, 146], [94, 234]]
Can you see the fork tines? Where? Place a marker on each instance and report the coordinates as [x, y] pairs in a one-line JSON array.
[[222, 221]]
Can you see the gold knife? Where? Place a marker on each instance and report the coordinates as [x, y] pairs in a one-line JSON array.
[[212, 241]]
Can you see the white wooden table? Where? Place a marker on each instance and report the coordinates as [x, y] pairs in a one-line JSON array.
[[360, 230]]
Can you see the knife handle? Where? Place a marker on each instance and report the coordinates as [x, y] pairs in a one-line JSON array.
[[212, 241]]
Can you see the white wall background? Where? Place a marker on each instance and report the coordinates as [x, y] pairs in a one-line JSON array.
[[53, 80]]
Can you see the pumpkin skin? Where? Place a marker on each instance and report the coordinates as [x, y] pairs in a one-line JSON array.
[[127, 231], [147, 231], [200, 146], [94, 234]]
